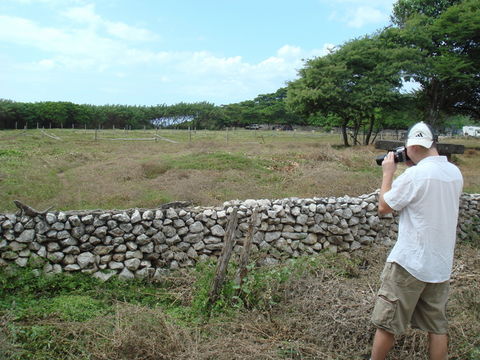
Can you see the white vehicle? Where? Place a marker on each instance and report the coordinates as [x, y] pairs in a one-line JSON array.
[[471, 131]]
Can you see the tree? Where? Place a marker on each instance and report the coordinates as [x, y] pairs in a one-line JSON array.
[[445, 36], [350, 83]]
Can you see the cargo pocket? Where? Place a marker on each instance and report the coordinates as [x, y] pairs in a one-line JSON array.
[[384, 310]]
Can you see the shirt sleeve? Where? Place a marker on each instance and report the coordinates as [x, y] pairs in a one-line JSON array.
[[403, 191]]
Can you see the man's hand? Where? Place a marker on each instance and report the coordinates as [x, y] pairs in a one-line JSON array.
[[389, 167]]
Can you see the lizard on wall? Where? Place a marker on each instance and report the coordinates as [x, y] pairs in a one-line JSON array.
[[29, 211]]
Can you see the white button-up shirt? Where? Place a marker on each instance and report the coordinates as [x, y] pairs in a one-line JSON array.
[[427, 196]]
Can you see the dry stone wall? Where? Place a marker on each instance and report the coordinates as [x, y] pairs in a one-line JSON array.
[[141, 243]]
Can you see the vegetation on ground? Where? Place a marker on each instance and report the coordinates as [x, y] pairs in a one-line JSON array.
[[307, 308]]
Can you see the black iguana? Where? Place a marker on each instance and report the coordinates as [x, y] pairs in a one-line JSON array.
[[175, 204], [29, 211]]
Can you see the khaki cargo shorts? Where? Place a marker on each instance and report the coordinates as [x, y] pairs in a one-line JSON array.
[[403, 300]]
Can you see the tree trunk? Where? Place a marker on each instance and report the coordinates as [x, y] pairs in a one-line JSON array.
[[370, 129], [344, 134], [435, 96]]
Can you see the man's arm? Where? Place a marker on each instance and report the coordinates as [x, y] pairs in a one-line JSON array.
[[389, 167]]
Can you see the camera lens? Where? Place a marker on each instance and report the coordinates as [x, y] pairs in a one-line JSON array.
[[379, 159]]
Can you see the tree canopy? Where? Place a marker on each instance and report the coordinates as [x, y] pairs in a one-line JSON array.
[[445, 40], [352, 82], [434, 43]]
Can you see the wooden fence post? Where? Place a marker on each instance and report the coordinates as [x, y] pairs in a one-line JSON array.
[[221, 270], [247, 246]]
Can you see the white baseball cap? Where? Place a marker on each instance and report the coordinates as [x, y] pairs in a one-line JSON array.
[[420, 134]]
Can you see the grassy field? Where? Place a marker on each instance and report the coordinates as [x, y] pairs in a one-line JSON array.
[[76, 171], [309, 308]]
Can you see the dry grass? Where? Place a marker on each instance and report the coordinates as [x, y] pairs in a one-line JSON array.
[[133, 332], [323, 315], [327, 316], [80, 173]]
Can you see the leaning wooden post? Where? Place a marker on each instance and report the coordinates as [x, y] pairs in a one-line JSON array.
[[247, 246], [221, 271]]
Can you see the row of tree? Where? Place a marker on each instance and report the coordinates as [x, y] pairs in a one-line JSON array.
[[67, 115], [265, 109], [359, 86]]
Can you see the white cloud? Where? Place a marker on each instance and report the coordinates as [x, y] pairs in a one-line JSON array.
[[87, 15], [84, 14], [25, 32], [77, 47], [46, 64], [85, 48], [90, 46], [358, 13], [289, 51], [365, 15]]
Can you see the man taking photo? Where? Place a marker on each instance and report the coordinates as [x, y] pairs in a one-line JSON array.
[[415, 280]]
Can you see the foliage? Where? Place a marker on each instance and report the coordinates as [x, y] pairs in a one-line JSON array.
[[309, 307], [444, 39], [435, 43], [261, 289], [264, 109], [403, 10], [59, 114], [455, 123], [350, 83]]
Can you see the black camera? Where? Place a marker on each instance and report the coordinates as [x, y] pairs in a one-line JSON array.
[[399, 155]]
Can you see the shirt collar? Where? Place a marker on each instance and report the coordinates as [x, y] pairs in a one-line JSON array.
[[433, 158]]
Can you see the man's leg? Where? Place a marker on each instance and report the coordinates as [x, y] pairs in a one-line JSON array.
[[437, 346], [382, 343]]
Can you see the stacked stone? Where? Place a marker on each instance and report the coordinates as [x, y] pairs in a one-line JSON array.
[[146, 243], [293, 227], [469, 219]]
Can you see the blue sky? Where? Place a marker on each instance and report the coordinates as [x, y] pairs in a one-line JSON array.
[[147, 52]]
